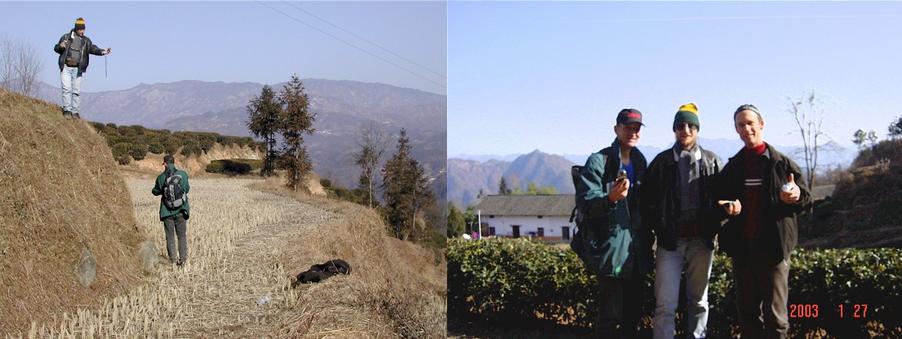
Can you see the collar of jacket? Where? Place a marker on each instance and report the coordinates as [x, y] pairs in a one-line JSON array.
[[615, 151], [697, 153], [770, 154]]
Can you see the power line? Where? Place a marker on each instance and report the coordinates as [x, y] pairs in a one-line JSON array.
[[352, 45], [364, 39]]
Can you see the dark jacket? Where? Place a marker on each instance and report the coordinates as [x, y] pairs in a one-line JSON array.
[[661, 199], [611, 227], [158, 190], [779, 231], [90, 48]]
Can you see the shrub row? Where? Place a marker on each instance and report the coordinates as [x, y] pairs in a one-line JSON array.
[[135, 141], [339, 192], [234, 166], [511, 281]]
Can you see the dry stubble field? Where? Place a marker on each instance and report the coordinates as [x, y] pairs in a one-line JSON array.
[[234, 237]]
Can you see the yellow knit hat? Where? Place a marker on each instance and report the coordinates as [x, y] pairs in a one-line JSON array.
[[687, 113], [79, 23]]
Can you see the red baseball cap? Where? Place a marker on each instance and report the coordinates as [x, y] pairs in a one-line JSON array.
[[629, 116]]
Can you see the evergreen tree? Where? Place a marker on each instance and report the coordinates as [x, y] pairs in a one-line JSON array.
[[263, 121], [895, 128], [470, 218], [503, 189], [405, 190], [457, 223], [859, 138], [296, 120]]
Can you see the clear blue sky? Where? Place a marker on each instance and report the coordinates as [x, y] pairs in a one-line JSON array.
[[552, 76], [155, 42]]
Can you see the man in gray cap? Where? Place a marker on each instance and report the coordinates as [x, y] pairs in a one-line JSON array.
[[762, 193]]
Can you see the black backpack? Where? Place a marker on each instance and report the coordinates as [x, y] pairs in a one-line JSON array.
[[587, 242], [173, 194], [579, 241]]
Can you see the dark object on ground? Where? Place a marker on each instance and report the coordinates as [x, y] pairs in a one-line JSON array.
[[318, 273]]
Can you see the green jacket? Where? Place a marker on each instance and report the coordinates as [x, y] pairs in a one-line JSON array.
[[158, 190], [610, 247]]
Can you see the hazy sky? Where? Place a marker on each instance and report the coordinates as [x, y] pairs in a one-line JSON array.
[[552, 76], [156, 42]]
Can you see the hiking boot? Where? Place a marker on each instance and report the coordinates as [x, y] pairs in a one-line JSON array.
[[77, 116], [67, 114]]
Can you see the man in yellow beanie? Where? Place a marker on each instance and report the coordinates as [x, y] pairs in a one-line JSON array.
[[74, 48], [678, 205]]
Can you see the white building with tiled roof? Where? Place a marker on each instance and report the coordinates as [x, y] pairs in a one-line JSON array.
[[540, 216]]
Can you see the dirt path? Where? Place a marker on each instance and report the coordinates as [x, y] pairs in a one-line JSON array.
[[231, 285]]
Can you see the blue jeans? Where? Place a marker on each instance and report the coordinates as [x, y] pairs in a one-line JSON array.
[[668, 270], [71, 87]]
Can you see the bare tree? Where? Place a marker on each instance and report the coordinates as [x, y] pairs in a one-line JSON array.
[[29, 65], [7, 62], [19, 66], [809, 118], [372, 143]]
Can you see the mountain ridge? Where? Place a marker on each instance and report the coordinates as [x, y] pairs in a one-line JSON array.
[[467, 176], [343, 108]]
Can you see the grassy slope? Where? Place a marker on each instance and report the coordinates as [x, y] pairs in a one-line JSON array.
[[396, 288], [62, 194]]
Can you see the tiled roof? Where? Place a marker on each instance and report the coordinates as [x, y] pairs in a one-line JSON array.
[[527, 205]]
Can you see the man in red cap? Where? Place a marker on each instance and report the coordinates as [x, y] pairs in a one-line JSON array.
[[608, 218], [74, 48]]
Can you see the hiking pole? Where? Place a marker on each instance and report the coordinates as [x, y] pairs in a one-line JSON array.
[[104, 68]]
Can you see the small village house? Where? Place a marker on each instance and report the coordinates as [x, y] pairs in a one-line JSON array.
[[545, 217]]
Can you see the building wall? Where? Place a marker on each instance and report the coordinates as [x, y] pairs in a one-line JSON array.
[[551, 224]]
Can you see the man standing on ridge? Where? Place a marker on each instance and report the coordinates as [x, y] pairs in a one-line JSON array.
[[173, 187], [679, 205], [74, 49], [607, 200]]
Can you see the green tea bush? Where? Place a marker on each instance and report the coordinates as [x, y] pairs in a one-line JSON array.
[[120, 153], [517, 280], [156, 148], [164, 141], [138, 151], [191, 148], [234, 166], [342, 193]]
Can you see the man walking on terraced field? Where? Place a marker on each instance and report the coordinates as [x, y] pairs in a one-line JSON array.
[[74, 49], [173, 187], [679, 205], [760, 194]]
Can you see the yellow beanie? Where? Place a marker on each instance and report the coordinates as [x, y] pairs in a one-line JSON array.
[[687, 113]]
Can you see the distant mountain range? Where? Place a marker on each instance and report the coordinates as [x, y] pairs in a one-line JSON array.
[[342, 108], [470, 174]]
